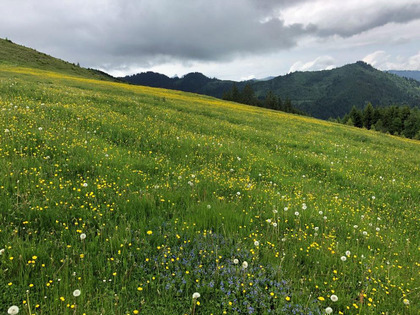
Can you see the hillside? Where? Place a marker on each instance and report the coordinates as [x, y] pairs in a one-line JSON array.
[[17, 55], [410, 74], [122, 199], [322, 94]]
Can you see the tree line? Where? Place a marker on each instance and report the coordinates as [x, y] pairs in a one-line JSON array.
[[395, 120], [271, 101]]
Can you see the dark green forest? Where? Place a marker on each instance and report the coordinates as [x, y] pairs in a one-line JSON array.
[[395, 120]]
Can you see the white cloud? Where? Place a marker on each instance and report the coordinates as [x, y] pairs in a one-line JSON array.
[[320, 63], [384, 61]]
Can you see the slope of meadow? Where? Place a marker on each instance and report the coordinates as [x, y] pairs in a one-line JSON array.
[[17, 55], [120, 199]]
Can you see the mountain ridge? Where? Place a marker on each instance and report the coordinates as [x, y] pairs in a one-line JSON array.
[[322, 94]]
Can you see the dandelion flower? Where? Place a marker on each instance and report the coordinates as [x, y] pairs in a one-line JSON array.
[[76, 293], [149, 232], [82, 236], [328, 310], [13, 310], [196, 295], [334, 298], [406, 302]]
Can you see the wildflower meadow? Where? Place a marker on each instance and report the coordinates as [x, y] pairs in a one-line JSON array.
[[119, 199]]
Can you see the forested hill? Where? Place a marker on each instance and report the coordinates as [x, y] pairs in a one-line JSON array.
[[322, 94]]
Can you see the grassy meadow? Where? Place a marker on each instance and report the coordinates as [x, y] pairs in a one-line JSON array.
[[119, 199]]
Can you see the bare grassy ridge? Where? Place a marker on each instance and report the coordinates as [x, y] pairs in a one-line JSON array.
[[170, 188]]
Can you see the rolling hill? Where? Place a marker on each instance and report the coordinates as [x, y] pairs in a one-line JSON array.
[[17, 55], [322, 94], [124, 199]]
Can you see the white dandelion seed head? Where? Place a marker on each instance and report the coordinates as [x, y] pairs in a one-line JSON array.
[[316, 228], [325, 217], [406, 302], [268, 220], [296, 213], [236, 261], [256, 243], [82, 236], [334, 298], [355, 226], [365, 233], [320, 212], [275, 211], [208, 206], [348, 253], [6, 130], [238, 193], [76, 293], [373, 197], [275, 224], [1, 251], [40, 128], [196, 295], [343, 258], [85, 184], [13, 310], [328, 310], [378, 229], [304, 207], [244, 265], [286, 208]]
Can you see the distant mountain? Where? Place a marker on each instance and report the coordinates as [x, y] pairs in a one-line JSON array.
[[322, 94], [406, 74], [193, 82], [21, 56]]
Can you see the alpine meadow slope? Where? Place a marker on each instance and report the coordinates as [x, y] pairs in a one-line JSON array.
[[123, 199]]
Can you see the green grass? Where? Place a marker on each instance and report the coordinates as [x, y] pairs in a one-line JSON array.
[[17, 55], [170, 188]]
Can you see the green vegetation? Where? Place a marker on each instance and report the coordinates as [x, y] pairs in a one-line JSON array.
[[321, 94], [121, 199], [395, 120], [271, 101], [16, 55]]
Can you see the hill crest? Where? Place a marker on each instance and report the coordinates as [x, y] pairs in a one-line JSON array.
[[18, 55]]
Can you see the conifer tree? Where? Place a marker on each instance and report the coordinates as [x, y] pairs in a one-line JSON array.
[[368, 116]]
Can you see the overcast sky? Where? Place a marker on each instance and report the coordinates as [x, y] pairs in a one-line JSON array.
[[227, 39]]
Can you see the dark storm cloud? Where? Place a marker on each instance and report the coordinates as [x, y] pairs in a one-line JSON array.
[[151, 31], [119, 33]]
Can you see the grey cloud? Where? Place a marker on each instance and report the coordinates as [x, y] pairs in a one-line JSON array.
[[148, 32], [347, 24]]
